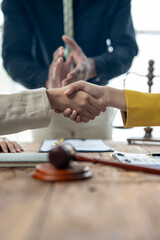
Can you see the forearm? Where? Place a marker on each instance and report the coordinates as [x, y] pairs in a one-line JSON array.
[[53, 96], [142, 109], [17, 47], [113, 97], [25, 110], [25, 71], [113, 64], [92, 68], [122, 47]]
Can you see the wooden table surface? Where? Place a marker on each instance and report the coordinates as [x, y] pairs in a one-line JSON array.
[[114, 204]]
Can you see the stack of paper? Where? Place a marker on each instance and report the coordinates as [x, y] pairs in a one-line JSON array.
[[22, 159]]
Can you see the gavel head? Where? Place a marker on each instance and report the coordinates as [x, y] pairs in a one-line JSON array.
[[61, 155]]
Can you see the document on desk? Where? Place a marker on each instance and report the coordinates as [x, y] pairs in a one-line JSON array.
[[81, 145], [137, 159], [22, 159]]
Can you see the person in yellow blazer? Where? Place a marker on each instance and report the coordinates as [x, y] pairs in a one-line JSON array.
[[137, 108], [142, 109]]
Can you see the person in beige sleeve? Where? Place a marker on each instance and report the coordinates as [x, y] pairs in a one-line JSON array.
[[33, 109]]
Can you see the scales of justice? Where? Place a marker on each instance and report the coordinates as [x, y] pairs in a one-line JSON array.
[[148, 130]]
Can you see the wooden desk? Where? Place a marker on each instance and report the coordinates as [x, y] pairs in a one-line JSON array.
[[114, 204]]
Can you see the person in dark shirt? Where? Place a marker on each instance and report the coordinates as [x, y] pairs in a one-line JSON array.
[[33, 29]]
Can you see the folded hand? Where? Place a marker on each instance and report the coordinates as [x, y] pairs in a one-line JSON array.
[[84, 67], [95, 91], [58, 69], [80, 102]]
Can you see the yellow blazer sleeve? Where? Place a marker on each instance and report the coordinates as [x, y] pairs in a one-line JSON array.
[[25, 110], [143, 109]]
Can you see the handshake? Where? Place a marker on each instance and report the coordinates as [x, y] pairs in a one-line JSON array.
[[82, 101], [77, 99]]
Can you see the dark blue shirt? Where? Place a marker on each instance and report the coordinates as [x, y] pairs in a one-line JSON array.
[[33, 31]]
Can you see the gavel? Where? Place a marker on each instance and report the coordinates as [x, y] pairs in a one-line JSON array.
[[61, 156]]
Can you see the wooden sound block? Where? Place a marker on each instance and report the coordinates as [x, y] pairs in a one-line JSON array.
[[48, 172]]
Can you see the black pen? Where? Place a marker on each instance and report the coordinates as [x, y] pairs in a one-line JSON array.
[[154, 154]]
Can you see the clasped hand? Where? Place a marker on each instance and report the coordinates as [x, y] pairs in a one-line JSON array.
[[80, 101], [79, 106], [60, 72]]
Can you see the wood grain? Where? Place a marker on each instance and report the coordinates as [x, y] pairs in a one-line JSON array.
[[114, 204]]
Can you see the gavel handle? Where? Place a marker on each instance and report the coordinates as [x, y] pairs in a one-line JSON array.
[[126, 166]]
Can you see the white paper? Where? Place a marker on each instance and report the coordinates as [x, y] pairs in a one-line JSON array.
[[137, 159], [81, 145]]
